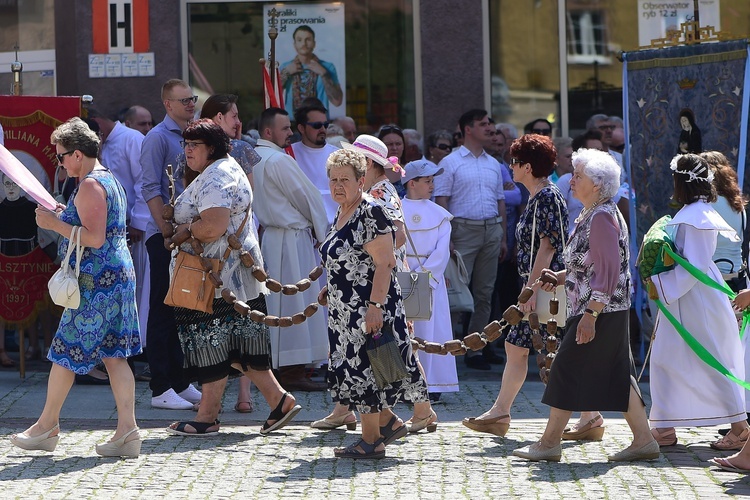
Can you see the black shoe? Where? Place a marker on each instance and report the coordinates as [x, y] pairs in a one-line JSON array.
[[492, 358], [89, 380], [477, 363]]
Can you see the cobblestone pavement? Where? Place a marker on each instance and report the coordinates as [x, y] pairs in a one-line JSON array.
[[298, 461]]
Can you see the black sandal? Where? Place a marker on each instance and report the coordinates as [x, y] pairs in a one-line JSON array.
[[368, 449], [201, 428], [389, 435], [279, 416]]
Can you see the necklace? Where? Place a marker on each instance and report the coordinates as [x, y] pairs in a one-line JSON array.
[[540, 185], [587, 210]]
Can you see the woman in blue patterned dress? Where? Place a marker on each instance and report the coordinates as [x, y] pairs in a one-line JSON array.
[[359, 258], [105, 325], [532, 161]]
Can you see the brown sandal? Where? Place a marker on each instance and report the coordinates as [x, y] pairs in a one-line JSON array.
[[586, 432], [731, 441], [668, 438]]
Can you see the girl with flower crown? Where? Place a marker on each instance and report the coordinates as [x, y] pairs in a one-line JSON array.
[[685, 391]]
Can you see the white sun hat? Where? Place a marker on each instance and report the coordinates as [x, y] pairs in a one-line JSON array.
[[374, 149]]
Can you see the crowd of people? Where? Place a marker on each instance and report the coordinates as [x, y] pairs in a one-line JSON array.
[[516, 207]]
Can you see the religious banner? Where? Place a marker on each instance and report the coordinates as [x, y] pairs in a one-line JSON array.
[[682, 99], [311, 52], [25, 268]]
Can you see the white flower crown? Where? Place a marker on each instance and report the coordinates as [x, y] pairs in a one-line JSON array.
[[694, 173]]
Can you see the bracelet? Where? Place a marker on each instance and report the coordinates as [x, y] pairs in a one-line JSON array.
[[592, 312], [374, 304]]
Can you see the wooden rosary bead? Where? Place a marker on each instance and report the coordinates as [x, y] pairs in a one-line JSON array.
[[299, 318], [229, 296], [414, 345], [554, 306], [548, 277], [551, 326], [206, 264], [259, 274], [257, 316], [288, 289], [234, 242], [540, 360], [197, 246], [548, 360], [316, 273], [241, 307], [286, 321], [492, 327], [443, 350], [168, 231], [493, 336], [453, 345], [303, 284], [551, 343], [247, 259], [181, 237], [537, 342], [273, 285], [310, 310], [474, 342], [169, 244], [323, 296], [432, 347], [534, 321], [215, 279], [525, 295], [167, 212], [459, 352], [544, 375], [513, 315], [271, 321]]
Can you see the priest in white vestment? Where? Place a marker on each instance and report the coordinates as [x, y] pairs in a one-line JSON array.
[[291, 211]]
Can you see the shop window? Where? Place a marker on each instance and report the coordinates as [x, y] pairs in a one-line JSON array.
[[587, 37]]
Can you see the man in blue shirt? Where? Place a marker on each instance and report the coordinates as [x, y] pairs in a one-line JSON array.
[[161, 147], [307, 76]]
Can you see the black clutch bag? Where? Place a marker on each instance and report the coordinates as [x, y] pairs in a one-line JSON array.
[[385, 359]]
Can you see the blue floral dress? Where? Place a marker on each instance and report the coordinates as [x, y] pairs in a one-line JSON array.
[[105, 325], [350, 270], [551, 214]]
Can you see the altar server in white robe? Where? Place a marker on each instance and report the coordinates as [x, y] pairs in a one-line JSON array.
[[291, 211], [430, 230], [685, 391]]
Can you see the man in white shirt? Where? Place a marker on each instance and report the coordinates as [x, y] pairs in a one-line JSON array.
[[121, 153], [312, 151], [290, 209], [471, 188]]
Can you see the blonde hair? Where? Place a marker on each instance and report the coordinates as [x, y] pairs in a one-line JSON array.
[[347, 158]]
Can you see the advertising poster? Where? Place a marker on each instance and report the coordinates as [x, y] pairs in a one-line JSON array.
[[311, 53], [655, 17], [25, 269]]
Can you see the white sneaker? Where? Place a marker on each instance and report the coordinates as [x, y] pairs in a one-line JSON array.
[[169, 400], [191, 394]]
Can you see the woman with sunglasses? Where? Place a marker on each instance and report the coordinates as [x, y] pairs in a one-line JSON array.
[[439, 145], [96, 330]]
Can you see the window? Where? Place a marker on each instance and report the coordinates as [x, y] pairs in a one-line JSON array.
[[587, 37]]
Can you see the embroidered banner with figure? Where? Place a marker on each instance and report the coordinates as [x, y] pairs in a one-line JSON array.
[[682, 99], [25, 268]]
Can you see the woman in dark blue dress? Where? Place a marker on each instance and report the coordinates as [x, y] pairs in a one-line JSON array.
[[363, 296]]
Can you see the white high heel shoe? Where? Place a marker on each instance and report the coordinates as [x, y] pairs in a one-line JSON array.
[[43, 441], [120, 448]]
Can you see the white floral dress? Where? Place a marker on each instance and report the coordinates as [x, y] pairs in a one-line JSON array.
[[350, 270]]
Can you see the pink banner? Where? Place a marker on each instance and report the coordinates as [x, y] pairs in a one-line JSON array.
[[16, 170]]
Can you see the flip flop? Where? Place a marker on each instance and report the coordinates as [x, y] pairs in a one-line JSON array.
[[727, 465], [368, 449], [389, 435], [201, 428], [279, 416]]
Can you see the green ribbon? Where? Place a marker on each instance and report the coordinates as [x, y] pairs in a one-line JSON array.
[[691, 341]]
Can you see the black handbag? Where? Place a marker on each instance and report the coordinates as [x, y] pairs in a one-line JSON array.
[[385, 359]]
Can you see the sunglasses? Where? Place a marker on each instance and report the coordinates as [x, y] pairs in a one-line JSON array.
[[387, 129], [318, 125], [516, 161], [61, 156], [191, 145], [604, 128], [186, 100], [542, 131], [444, 147]]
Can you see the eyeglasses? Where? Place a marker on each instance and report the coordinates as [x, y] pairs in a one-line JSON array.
[[61, 156], [542, 131], [516, 161], [444, 147], [186, 100], [604, 128], [191, 145], [318, 125]]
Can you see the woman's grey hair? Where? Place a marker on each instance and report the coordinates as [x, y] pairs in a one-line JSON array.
[[74, 134], [601, 168], [434, 137], [347, 158]]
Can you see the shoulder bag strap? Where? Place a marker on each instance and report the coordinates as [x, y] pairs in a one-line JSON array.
[[65, 262], [79, 247], [411, 242]]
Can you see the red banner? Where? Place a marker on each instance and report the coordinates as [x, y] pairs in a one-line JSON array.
[[28, 122]]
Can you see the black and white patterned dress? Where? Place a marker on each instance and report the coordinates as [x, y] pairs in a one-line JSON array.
[[350, 270]]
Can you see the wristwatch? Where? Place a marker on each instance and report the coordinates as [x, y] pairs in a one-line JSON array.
[[375, 304], [592, 312]]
